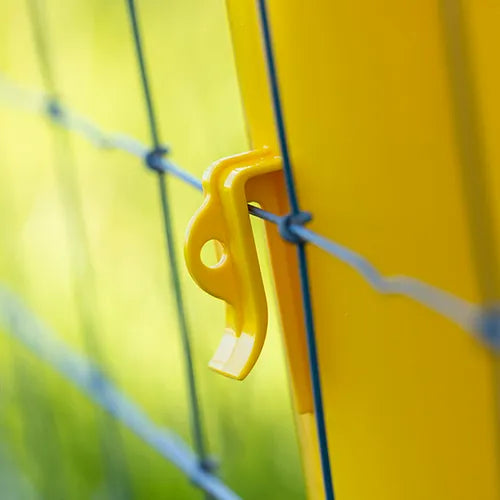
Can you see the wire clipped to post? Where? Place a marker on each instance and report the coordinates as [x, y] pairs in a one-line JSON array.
[[467, 315], [476, 319], [297, 217], [155, 161]]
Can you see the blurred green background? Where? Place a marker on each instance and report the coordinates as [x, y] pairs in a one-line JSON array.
[[49, 432]]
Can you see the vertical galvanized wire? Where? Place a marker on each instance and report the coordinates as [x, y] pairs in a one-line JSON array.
[[83, 279], [152, 160], [301, 252]]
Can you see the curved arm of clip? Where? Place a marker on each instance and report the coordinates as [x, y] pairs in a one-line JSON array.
[[228, 186]]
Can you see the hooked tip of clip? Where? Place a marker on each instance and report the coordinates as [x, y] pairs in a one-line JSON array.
[[235, 356]]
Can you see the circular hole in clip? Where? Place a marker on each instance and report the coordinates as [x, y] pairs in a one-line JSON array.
[[213, 253]]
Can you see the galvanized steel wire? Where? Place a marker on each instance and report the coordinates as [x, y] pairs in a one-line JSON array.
[[465, 314], [153, 160], [481, 323]]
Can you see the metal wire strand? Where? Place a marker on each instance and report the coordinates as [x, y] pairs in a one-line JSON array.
[[465, 314], [23, 326], [301, 254], [469, 316], [37, 20], [195, 411]]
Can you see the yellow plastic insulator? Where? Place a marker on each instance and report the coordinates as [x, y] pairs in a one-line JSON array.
[[228, 186]]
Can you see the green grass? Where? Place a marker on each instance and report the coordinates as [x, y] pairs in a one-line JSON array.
[[50, 435]]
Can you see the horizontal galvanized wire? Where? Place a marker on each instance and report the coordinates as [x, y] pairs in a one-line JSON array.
[[482, 323], [25, 327], [471, 317]]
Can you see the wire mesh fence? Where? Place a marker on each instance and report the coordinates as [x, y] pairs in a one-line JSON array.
[[91, 376]]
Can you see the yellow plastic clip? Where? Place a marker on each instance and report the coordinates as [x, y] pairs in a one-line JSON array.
[[228, 186]]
